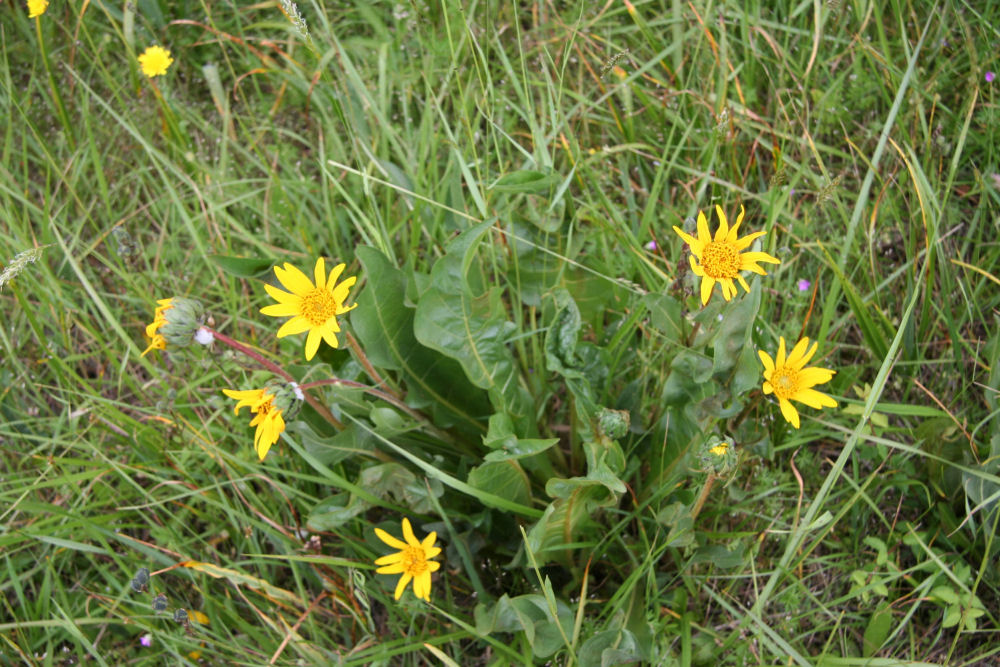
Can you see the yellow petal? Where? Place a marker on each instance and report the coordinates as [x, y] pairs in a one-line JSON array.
[[695, 244], [723, 231], [408, 535], [282, 309], [766, 359], [390, 540], [707, 284], [281, 296], [319, 272], [789, 412], [801, 353], [312, 343], [733, 236], [780, 359], [810, 377], [815, 399], [394, 568], [746, 241], [704, 237], [403, 580], [296, 325], [391, 558], [293, 279]]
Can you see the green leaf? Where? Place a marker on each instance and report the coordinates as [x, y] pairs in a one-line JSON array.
[[877, 630], [384, 326], [472, 329], [501, 478], [666, 316], [566, 517], [242, 267], [506, 445], [609, 648], [529, 614], [732, 334], [524, 180]]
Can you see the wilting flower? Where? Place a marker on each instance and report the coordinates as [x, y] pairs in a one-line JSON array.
[[154, 61], [412, 560], [790, 380], [37, 8], [176, 321], [270, 405], [721, 258], [313, 307]]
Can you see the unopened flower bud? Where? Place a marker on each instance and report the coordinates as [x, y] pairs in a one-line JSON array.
[[287, 397]]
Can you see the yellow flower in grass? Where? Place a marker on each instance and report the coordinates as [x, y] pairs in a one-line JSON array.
[[413, 560], [268, 420], [37, 7], [154, 61], [313, 307], [720, 259], [790, 379]]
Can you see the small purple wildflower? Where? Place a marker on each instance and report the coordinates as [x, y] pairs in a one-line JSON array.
[[146, 640], [804, 285], [651, 246], [990, 76]]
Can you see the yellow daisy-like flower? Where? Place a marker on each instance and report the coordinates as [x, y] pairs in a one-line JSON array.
[[269, 421], [158, 342], [313, 307], [412, 560], [37, 7], [790, 380], [154, 61], [722, 258]]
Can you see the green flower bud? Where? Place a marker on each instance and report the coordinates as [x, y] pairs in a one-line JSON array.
[[183, 319], [613, 423], [718, 456], [287, 397]]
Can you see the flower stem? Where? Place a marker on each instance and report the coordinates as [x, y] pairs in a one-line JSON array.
[[367, 365], [703, 496], [278, 370]]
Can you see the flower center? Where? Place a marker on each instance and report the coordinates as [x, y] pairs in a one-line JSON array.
[[720, 260], [785, 382], [414, 561], [318, 307]]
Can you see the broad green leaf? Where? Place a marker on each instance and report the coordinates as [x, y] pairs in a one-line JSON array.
[[529, 614], [471, 328], [666, 315], [507, 446], [732, 334], [242, 267], [502, 478], [877, 630], [568, 516], [384, 326], [607, 648]]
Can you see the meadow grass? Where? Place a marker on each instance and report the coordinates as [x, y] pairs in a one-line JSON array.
[[529, 371]]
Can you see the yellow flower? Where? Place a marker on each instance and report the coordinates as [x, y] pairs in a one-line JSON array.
[[721, 259], [313, 307], [158, 342], [790, 380], [37, 8], [154, 61], [269, 422], [412, 560]]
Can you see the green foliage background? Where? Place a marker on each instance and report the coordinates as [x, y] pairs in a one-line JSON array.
[[533, 377]]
